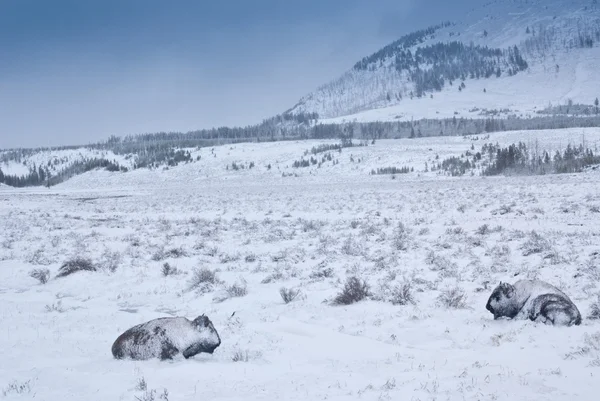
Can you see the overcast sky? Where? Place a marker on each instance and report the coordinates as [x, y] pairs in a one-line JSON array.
[[78, 71]]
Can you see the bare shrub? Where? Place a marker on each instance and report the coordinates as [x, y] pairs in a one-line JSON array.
[[133, 240], [440, 264], [351, 247], [595, 310], [395, 293], [554, 257], [250, 258], [15, 387], [401, 238], [288, 294], [212, 251], [240, 356], [168, 270], [238, 289], [325, 242], [158, 255], [55, 307], [535, 244], [228, 258], [453, 298], [389, 385], [199, 245], [321, 273], [484, 230], [110, 261], [7, 243], [141, 384], [354, 290], [499, 251], [456, 231], [273, 277], [504, 209], [279, 257], [75, 265], [402, 294], [40, 257], [369, 229], [310, 225], [150, 395], [592, 267], [41, 275], [203, 280], [380, 263], [175, 253]]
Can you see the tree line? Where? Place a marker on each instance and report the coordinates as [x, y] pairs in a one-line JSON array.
[[171, 149], [43, 177]]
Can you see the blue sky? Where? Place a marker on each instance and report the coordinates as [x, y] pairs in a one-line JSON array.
[[73, 71]]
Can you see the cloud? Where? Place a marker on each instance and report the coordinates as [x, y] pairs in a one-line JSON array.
[[78, 73]]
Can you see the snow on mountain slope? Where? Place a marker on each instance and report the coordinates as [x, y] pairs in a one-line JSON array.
[[523, 95], [557, 39]]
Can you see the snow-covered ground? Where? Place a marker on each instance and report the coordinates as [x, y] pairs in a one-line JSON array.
[[257, 229], [215, 165]]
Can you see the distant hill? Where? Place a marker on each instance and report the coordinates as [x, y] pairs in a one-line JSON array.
[[505, 58], [508, 65]]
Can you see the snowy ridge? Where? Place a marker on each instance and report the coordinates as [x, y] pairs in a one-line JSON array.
[[548, 34]]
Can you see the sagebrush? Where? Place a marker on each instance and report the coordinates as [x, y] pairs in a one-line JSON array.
[[354, 290], [288, 294], [41, 275], [76, 265]]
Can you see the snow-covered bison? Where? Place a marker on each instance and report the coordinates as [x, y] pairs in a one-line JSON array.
[[534, 300], [166, 337]]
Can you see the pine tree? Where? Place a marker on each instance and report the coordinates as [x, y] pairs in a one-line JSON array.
[[41, 175], [596, 104], [546, 157]]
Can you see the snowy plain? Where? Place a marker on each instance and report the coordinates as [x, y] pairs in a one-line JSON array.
[[308, 231]]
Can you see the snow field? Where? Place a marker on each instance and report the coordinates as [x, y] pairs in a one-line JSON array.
[[257, 229]]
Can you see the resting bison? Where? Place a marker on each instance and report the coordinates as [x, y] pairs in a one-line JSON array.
[[534, 300], [166, 337]]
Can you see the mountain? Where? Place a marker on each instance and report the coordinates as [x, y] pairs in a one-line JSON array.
[[505, 58], [509, 65]]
